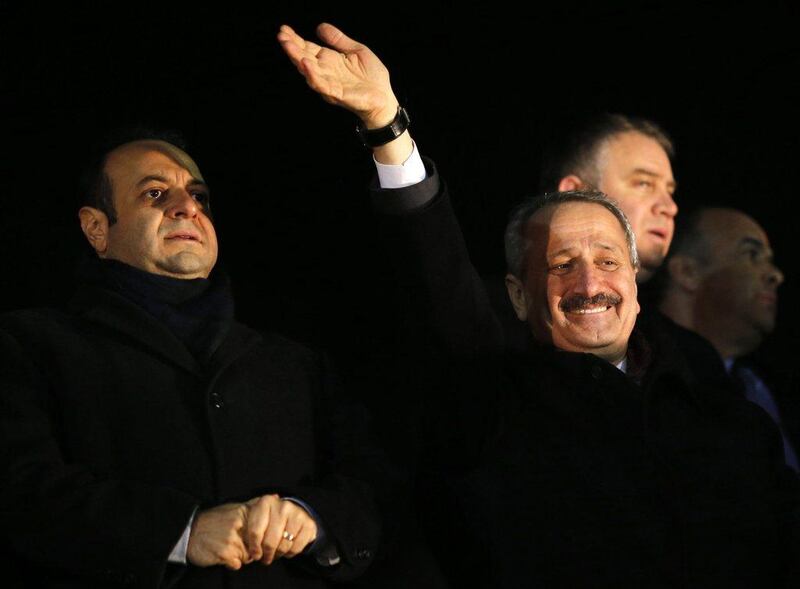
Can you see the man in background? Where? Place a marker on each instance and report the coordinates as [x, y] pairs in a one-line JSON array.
[[722, 283], [628, 159]]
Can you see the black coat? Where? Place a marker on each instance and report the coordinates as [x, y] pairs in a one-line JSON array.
[[555, 469], [112, 434], [782, 378]]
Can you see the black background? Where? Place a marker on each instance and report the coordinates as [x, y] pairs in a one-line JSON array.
[[486, 87]]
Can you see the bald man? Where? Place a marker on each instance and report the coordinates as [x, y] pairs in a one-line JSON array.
[[722, 283]]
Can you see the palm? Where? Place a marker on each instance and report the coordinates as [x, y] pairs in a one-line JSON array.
[[349, 75]]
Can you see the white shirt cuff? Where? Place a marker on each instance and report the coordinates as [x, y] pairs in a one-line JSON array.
[[411, 171], [178, 554]]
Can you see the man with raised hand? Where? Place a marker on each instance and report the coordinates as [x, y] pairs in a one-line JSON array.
[[596, 458]]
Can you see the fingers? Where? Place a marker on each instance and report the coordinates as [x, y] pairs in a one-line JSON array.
[[232, 553], [288, 531], [233, 564], [286, 543], [295, 47], [273, 538], [334, 37], [308, 58], [235, 555], [259, 515], [215, 537], [302, 538]]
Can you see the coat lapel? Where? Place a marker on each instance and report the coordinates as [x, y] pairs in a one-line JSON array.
[[239, 340]]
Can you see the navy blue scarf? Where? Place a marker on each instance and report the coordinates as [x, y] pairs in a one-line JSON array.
[[198, 311]]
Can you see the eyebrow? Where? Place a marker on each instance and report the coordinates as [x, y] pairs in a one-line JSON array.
[[601, 245], [758, 244], [159, 178], [752, 241], [672, 183]]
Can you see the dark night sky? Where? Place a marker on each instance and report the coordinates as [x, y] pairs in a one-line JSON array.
[[485, 87]]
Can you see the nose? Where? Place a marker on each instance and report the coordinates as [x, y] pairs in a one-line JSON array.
[[588, 280], [182, 205], [665, 204], [774, 276]]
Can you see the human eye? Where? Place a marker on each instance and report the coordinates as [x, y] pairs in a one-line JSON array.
[[608, 264], [201, 196], [561, 268], [643, 183], [153, 193], [753, 254]]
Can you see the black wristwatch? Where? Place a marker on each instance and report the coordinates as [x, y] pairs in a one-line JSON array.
[[377, 137]]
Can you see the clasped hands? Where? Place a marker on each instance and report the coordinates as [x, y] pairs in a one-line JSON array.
[[263, 529]]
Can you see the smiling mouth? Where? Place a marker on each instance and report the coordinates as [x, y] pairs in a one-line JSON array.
[[591, 310]]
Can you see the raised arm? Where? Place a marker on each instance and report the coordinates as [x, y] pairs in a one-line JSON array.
[[421, 231], [348, 74]]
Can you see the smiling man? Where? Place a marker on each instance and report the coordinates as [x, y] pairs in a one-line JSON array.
[[572, 264], [595, 457], [152, 440]]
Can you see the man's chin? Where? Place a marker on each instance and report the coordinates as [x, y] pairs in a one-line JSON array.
[[185, 265], [587, 342]]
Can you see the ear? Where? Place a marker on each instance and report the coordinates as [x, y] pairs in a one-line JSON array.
[[684, 272], [519, 299], [94, 225], [571, 182]]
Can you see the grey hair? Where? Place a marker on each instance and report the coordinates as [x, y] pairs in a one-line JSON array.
[[516, 242]]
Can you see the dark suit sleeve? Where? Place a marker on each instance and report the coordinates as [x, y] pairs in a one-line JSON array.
[[60, 516], [435, 274]]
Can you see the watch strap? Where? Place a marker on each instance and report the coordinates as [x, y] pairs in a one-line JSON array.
[[377, 137]]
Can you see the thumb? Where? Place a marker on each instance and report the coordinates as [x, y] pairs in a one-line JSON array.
[[335, 38]]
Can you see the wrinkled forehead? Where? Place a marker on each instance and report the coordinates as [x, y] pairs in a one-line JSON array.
[[575, 221], [136, 149]]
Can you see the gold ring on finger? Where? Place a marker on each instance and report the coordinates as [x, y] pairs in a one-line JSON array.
[[288, 536]]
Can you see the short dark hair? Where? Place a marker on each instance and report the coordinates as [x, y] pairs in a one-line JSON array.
[[516, 241], [577, 151], [95, 187]]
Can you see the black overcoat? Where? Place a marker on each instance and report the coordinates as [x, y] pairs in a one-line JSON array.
[[555, 469], [112, 434]]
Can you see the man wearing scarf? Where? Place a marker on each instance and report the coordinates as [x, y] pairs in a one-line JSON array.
[[149, 439]]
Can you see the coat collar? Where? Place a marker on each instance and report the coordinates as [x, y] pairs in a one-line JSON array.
[[568, 380], [127, 320]]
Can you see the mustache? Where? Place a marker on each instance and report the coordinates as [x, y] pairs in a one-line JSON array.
[[578, 302]]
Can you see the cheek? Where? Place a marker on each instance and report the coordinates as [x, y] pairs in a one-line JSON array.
[[633, 205], [551, 297], [211, 235]]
